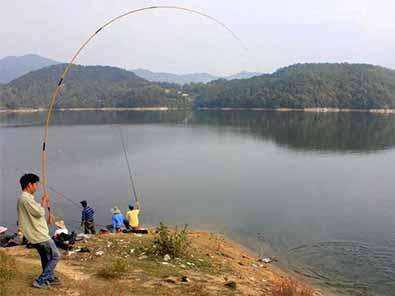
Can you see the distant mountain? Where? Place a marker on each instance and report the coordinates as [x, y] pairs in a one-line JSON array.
[[174, 78], [12, 67], [243, 75], [86, 86], [341, 85], [188, 78]]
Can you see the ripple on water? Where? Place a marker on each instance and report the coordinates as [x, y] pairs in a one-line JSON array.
[[350, 268]]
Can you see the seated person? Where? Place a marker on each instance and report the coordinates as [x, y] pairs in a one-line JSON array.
[[60, 228], [3, 230], [117, 220], [10, 240], [62, 238], [132, 216]]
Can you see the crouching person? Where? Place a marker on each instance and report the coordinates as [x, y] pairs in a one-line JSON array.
[[33, 225]]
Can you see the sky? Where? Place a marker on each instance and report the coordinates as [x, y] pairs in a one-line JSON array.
[[275, 33]]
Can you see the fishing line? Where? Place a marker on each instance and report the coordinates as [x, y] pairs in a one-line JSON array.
[[56, 92], [132, 183], [57, 192]]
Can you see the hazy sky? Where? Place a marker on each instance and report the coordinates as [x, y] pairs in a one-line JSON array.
[[277, 33]]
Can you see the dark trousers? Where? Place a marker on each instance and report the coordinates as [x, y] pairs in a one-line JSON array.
[[89, 227], [49, 255]]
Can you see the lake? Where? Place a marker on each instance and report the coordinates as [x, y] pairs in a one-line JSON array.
[[315, 189]]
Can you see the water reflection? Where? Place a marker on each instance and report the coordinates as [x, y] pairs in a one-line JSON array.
[[225, 170], [324, 132]]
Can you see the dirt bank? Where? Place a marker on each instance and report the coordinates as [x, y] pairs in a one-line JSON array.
[[214, 266]]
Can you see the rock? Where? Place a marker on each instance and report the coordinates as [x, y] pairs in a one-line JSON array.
[[182, 266], [245, 257], [185, 279], [170, 280], [231, 285], [266, 260], [131, 251], [99, 253], [167, 257]]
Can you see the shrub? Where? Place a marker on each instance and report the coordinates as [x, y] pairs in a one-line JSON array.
[[289, 287], [115, 268], [174, 243]]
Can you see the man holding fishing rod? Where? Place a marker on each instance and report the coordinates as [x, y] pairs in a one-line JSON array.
[[33, 225]]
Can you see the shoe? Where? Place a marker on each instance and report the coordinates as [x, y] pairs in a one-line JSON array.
[[54, 282], [40, 286]]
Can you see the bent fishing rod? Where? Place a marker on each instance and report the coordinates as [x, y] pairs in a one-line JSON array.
[[56, 92]]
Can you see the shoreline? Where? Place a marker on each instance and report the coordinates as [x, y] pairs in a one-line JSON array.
[[34, 110], [316, 110], [217, 259], [109, 109]]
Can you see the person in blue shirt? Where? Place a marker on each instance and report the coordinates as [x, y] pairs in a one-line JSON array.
[[88, 218], [117, 220]]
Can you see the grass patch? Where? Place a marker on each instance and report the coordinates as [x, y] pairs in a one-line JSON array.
[[7, 267], [290, 287], [7, 273], [114, 269]]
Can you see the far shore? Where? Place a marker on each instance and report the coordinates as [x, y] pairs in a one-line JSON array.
[[317, 110], [32, 110]]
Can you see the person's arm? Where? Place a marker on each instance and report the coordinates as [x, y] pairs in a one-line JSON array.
[[44, 201], [82, 217], [34, 208], [114, 222]]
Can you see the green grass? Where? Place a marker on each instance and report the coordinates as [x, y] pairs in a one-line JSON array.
[[114, 269]]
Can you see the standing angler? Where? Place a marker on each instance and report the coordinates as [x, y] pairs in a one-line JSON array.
[[32, 223], [88, 218]]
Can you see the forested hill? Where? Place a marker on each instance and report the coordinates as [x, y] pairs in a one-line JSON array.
[[85, 86], [358, 86]]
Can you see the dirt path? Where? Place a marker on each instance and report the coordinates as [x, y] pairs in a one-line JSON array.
[[23, 255]]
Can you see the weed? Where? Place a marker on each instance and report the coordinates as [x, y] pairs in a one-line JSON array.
[[114, 268], [174, 243]]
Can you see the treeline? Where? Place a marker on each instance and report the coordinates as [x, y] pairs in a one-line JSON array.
[[357, 86], [90, 87]]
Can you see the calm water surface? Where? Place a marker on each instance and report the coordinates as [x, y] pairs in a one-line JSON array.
[[315, 189]]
